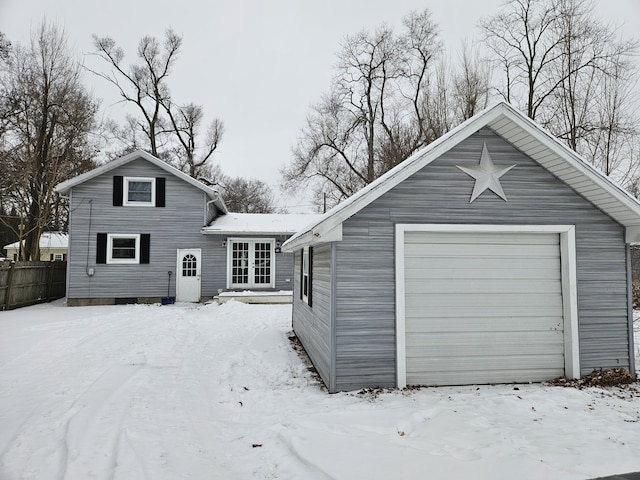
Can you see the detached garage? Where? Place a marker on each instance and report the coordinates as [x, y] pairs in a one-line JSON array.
[[494, 255]]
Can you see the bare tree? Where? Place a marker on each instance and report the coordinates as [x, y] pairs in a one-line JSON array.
[[524, 41], [242, 195], [471, 84], [166, 129], [47, 138], [375, 114], [5, 103], [5, 47], [185, 122], [568, 71], [144, 84]]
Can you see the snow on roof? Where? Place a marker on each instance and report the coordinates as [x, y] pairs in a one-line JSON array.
[[256, 223], [48, 240]]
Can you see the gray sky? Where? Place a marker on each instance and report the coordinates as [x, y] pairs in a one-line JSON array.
[[256, 64]]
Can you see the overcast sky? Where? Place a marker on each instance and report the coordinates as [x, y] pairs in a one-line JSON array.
[[256, 64]]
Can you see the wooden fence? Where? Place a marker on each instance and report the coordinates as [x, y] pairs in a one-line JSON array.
[[28, 283]]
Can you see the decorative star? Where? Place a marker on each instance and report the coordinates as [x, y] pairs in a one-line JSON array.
[[487, 176]]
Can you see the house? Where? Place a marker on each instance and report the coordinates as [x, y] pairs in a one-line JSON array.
[[53, 246], [493, 255], [141, 230]]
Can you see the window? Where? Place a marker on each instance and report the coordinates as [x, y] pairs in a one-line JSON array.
[[306, 269], [57, 257], [123, 248], [189, 266], [139, 191]]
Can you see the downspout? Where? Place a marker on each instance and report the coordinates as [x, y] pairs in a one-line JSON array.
[[219, 206]]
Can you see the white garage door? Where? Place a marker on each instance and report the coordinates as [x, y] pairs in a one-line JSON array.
[[482, 307]]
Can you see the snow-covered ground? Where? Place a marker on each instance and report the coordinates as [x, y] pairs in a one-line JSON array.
[[216, 392]]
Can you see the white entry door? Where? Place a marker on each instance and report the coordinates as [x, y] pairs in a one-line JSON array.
[[188, 275]]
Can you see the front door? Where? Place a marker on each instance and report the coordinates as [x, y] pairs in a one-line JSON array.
[[188, 275], [251, 263]]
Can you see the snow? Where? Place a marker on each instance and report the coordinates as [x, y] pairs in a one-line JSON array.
[[217, 392], [256, 223], [48, 240], [252, 293]]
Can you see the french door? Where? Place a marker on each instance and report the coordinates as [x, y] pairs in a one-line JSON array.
[[251, 263]]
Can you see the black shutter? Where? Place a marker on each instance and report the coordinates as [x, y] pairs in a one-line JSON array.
[[310, 276], [117, 191], [101, 248], [302, 274], [145, 241], [160, 188]]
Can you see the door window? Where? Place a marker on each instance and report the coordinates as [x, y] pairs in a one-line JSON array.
[[189, 265]]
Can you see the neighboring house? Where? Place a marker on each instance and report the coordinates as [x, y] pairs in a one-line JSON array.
[[493, 255], [53, 246], [141, 230]]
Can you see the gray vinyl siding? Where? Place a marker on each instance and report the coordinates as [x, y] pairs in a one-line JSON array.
[[440, 193], [175, 226], [312, 325]]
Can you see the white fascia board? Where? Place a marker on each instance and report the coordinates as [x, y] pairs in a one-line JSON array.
[[313, 237]]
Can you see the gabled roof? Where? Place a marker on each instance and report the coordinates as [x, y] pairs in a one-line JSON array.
[[48, 240], [64, 187], [520, 131], [259, 223]]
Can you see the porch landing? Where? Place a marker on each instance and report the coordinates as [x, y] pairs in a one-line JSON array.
[[247, 296]]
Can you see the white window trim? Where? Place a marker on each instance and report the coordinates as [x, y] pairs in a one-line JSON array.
[[58, 257], [251, 260], [569, 286], [121, 261], [125, 191], [304, 262]]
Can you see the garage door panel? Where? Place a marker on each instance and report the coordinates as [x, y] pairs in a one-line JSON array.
[[485, 363], [478, 238], [441, 268], [473, 311], [519, 343], [481, 300], [482, 308], [491, 251], [470, 377], [475, 323], [480, 286]]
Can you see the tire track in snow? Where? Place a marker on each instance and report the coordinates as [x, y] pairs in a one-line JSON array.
[[97, 423], [56, 381]]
